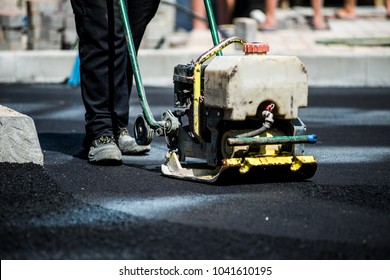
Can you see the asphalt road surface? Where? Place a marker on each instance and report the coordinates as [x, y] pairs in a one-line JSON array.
[[70, 209]]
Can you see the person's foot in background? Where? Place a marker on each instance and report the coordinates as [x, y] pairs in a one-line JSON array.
[[319, 22], [270, 23], [348, 11]]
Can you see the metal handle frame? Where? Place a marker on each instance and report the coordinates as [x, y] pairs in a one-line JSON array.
[[134, 60], [198, 77]]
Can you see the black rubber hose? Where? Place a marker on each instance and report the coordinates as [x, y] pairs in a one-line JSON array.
[[269, 119]]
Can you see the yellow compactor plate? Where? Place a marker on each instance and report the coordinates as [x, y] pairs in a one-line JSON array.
[[258, 168]]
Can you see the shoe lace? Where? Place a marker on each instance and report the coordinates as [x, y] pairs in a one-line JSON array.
[[106, 139], [123, 132]]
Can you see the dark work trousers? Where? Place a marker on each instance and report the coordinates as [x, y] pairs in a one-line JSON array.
[[105, 69]]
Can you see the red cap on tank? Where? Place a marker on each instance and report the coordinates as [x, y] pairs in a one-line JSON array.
[[260, 48]]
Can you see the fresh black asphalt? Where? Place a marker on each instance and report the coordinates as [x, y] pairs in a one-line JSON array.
[[70, 209]]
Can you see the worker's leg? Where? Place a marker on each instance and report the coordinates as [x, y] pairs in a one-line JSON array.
[[140, 13], [92, 20], [106, 75]]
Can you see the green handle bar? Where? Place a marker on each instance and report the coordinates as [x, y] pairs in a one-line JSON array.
[[134, 64], [134, 61], [212, 23]]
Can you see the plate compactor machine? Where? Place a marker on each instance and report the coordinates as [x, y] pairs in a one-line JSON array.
[[234, 114]]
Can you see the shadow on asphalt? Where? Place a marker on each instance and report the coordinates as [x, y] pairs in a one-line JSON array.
[[66, 143]]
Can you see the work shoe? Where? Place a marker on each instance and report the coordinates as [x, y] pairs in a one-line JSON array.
[[104, 151], [128, 145]]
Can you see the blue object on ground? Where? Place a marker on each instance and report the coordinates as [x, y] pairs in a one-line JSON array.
[[74, 79]]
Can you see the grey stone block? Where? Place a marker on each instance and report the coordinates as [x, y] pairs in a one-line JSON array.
[[34, 33], [70, 22], [70, 36], [245, 28], [12, 46], [33, 43], [67, 7], [50, 45], [378, 70], [54, 21], [335, 70], [36, 19], [12, 21], [18, 138], [54, 36], [12, 34], [51, 35]]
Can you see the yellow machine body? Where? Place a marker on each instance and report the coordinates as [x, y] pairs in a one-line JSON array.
[[221, 105]]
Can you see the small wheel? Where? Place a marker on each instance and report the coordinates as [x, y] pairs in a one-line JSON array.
[[143, 134], [226, 150], [181, 155]]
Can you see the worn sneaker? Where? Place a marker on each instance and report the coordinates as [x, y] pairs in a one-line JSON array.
[[128, 145], [104, 151]]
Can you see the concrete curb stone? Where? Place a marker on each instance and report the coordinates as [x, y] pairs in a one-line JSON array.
[[326, 69], [19, 141]]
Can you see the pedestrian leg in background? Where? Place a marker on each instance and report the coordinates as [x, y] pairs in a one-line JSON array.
[[348, 11], [270, 23], [319, 21]]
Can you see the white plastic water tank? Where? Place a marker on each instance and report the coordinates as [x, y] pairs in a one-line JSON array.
[[239, 84]]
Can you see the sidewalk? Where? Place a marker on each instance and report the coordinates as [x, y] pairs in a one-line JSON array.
[[353, 64], [297, 38], [327, 64]]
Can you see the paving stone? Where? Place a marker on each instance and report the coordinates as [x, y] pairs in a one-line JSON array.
[[18, 138]]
